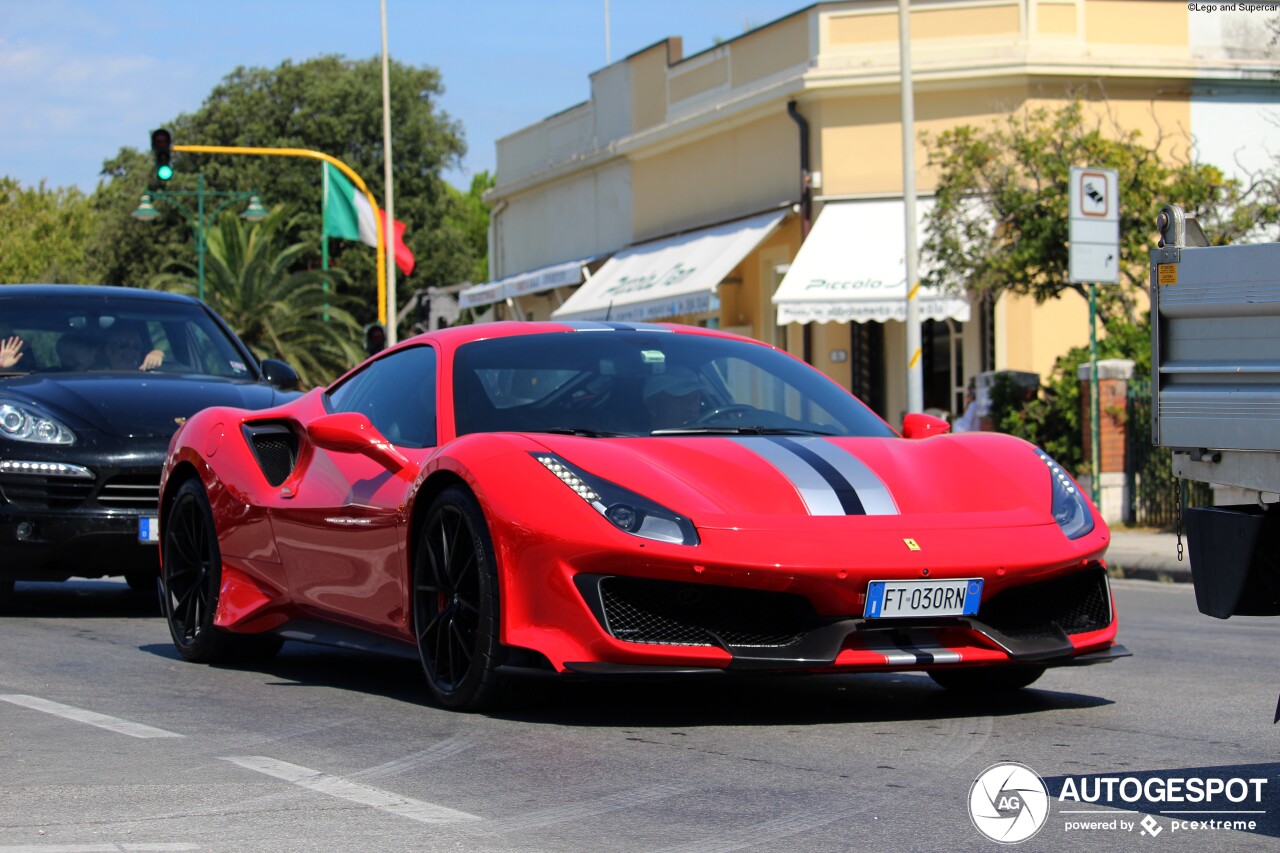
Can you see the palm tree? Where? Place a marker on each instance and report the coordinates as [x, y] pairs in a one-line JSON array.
[[277, 312]]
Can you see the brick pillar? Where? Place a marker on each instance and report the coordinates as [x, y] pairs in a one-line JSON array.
[[1113, 401]]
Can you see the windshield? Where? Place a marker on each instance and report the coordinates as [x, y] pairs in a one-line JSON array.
[[82, 334], [647, 383]]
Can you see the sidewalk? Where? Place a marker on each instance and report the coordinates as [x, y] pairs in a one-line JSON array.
[[1147, 555]]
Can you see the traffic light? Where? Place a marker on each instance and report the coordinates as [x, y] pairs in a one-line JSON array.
[[161, 146]]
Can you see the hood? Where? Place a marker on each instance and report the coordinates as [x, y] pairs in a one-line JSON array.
[[135, 406], [771, 481]]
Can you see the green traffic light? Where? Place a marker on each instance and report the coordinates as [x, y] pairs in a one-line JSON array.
[[165, 172]]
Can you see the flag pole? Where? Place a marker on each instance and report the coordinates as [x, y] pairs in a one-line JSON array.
[[389, 245], [324, 238]]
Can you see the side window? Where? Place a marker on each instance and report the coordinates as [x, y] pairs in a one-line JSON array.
[[397, 393]]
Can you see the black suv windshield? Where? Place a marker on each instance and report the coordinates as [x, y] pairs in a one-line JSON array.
[[647, 383], [75, 333]]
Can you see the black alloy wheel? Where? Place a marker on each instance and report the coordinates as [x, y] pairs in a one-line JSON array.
[[987, 679], [191, 573], [455, 603]]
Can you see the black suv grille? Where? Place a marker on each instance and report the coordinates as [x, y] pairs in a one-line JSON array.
[[131, 491], [1076, 604], [685, 614], [123, 491], [44, 492]]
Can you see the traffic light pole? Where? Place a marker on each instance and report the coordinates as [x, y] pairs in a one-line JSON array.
[[337, 164]]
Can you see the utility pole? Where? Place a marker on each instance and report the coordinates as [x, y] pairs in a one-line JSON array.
[[915, 370]]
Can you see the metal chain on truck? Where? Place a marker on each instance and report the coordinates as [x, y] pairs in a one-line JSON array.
[[1179, 491]]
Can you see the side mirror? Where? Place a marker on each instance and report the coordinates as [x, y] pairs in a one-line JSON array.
[[917, 425], [279, 374], [351, 432]]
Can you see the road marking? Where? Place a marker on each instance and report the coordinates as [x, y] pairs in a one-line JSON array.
[[102, 721], [95, 848], [354, 792]]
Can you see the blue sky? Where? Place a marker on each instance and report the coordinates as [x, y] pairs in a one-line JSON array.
[[79, 79]]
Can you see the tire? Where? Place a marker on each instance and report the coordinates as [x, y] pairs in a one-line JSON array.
[[987, 679], [6, 595], [455, 604], [191, 573]]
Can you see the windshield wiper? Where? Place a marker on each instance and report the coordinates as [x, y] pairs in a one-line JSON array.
[[582, 431], [740, 430]]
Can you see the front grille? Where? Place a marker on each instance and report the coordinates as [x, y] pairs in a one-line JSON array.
[[685, 614], [276, 448], [1076, 604], [131, 491], [44, 492]]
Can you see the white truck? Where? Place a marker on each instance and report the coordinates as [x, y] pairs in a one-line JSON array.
[[1215, 364]]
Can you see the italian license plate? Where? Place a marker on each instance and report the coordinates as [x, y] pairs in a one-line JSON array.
[[900, 599], [149, 529]]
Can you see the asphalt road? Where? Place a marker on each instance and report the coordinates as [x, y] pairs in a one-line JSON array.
[[109, 742]]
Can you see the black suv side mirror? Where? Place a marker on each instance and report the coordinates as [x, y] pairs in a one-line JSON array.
[[279, 374]]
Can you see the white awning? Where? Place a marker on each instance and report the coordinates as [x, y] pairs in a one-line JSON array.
[[668, 277], [852, 268], [522, 284]]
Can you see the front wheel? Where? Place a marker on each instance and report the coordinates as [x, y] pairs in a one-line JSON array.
[[191, 577], [987, 679], [455, 604]]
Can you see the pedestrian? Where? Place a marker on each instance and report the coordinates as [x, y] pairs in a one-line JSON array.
[[969, 420]]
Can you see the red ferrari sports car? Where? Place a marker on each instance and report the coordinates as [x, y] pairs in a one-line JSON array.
[[614, 499]]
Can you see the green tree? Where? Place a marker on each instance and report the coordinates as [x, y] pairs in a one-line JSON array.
[[42, 234], [468, 223], [328, 104], [251, 279], [1000, 221]]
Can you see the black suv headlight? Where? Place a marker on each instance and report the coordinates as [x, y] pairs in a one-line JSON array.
[[625, 510], [23, 423]]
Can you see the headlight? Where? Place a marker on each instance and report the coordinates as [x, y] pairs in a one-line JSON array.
[[624, 509], [1069, 507], [20, 423]]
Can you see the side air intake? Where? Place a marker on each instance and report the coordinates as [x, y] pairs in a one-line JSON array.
[[275, 446]]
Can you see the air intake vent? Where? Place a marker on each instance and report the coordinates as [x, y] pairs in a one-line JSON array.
[[685, 614], [276, 449], [131, 491], [1076, 604], [44, 492]]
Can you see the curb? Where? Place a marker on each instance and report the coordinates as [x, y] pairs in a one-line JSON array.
[[1159, 574]]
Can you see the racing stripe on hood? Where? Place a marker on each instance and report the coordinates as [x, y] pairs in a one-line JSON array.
[[874, 494], [829, 480]]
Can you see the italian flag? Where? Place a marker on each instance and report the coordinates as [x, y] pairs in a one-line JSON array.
[[347, 215]]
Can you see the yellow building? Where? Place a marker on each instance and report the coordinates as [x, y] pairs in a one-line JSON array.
[[685, 187]]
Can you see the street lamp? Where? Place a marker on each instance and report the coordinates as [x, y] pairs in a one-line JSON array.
[[146, 212]]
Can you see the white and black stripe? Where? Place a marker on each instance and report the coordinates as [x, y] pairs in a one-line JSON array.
[[831, 481], [910, 650]]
